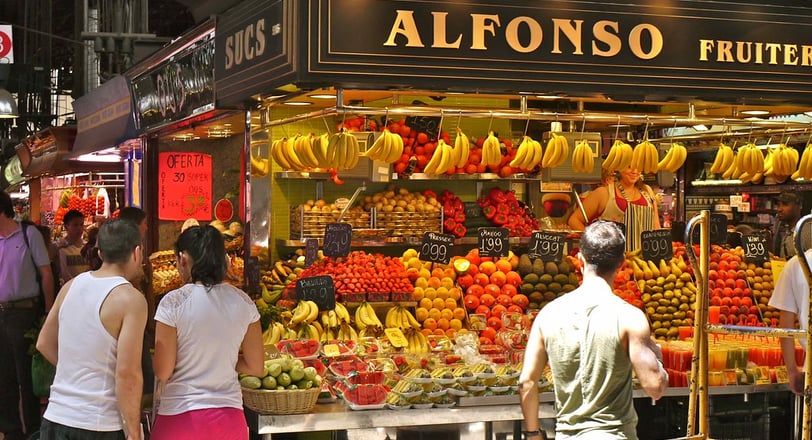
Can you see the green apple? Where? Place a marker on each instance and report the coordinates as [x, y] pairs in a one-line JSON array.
[[269, 383]]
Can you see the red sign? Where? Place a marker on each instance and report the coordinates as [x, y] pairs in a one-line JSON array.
[[6, 45], [184, 186]]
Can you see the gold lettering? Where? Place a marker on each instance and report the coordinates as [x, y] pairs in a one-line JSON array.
[[440, 32], [512, 34], [601, 32], [635, 43], [238, 50], [740, 57], [705, 46], [483, 23], [724, 53], [260, 37], [572, 30], [773, 49], [229, 51], [249, 40], [404, 25], [759, 53], [806, 58], [790, 55]]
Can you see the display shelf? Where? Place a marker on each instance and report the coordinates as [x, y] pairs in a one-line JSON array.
[[714, 187], [317, 175], [381, 304], [413, 241]]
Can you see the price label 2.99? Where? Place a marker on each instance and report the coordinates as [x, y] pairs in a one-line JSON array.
[[436, 247], [657, 245], [493, 242], [320, 290], [755, 248], [337, 239], [548, 246]]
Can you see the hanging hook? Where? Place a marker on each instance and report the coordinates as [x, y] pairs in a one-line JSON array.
[[386, 116], [440, 125], [343, 119], [490, 122], [617, 128], [750, 133], [789, 135], [810, 138], [459, 120], [583, 125], [645, 130], [671, 139], [527, 125], [326, 125]]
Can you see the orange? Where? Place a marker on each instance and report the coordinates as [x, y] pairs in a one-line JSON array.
[[413, 274], [430, 324], [482, 309], [442, 292], [475, 290], [438, 303], [495, 322], [451, 332], [450, 304], [437, 272], [434, 282], [438, 332], [418, 293], [435, 314], [493, 290], [503, 266], [465, 281], [421, 282], [455, 324], [426, 331], [446, 314], [425, 273], [483, 340], [520, 300], [504, 300], [482, 279], [443, 324], [513, 308], [430, 293], [425, 303], [509, 290], [488, 333], [447, 282], [471, 301], [487, 267], [421, 314], [458, 313], [513, 278], [497, 310], [454, 293], [498, 278], [487, 299]]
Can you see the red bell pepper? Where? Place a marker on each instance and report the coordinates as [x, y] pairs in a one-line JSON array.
[[449, 224], [497, 195], [459, 216], [460, 230], [489, 211], [499, 219], [429, 194], [503, 208]]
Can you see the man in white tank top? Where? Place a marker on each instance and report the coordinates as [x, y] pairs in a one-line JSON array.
[[94, 336]]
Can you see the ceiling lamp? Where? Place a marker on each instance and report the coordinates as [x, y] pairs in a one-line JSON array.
[[8, 106]]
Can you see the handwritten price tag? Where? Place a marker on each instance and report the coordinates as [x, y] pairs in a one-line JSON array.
[[337, 238], [493, 242], [311, 251], [436, 247], [320, 290], [657, 245], [426, 124], [548, 246], [396, 337], [755, 248]]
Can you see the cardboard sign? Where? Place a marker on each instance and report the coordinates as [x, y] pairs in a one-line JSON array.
[[657, 245], [337, 237], [548, 246], [755, 248], [436, 247], [184, 186], [320, 289], [493, 242]]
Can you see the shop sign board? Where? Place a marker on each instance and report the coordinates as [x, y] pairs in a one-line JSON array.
[[184, 186], [177, 88], [6, 45], [626, 50]]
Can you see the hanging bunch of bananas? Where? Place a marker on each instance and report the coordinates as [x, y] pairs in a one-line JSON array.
[[283, 153], [462, 148], [805, 165], [342, 151], [582, 159], [528, 155], [674, 158], [750, 160], [558, 148], [491, 150], [304, 312], [723, 160], [733, 171], [401, 318], [367, 321], [785, 162], [417, 343], [644, 157], [303, 148], [619, 158], [277, 332], [442, 160], [260, 167], [387, 148]]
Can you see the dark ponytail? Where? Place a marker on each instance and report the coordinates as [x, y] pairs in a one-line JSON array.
[[205, 245]]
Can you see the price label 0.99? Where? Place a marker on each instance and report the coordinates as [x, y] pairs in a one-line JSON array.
[[657, 245], [320, 290], [436, 247], [493, 242], [755, 248], [548, 246], [337, 239]]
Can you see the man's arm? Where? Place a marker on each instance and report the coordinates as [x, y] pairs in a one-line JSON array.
[[251, 360], [796, 378], [535, 358], [47, 283], [48, 339], [646, 356], [129, 377], [166, 351]]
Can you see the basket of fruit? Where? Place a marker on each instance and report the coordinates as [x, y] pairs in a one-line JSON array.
[[280, 401], [286, 387]]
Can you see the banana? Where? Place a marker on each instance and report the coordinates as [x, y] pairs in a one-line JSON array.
[[360, 319], [611, 158], [582, 160], [463, 144], [447, 157], [524, 152], [680, 154], [304, 150], [381, 147], [325, 319], [392, 319], [374, 321], [410, 319], [289, 150], [300, 312], [313, 312], [278, 156], [318, 327], [805, 167], [320, 150], [396, 148], [552, 153], [491, 151], [716, 167], [332, 319], [433, 165], [351, 152], [342, 314]]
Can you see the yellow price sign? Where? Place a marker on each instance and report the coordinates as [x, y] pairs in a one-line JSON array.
[[777, 266], [331, 350], [396, 337]]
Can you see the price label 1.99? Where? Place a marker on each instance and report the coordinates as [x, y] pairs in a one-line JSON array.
[[337, 239], [320, 290], [657, 245], [548, 246], [493, 242], [436, 247], [755, 248]]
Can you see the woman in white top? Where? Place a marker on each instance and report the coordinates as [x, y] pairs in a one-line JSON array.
[[206, 332]]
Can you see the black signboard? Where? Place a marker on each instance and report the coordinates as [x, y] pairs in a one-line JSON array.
[[549, 246], [436, 247], [252, 274], [755, 248], [337, 237], [425, 124], [311, 251], [320, 290], [718, 230], [472, 209], [178, 88], [493, 242], [657, 245]]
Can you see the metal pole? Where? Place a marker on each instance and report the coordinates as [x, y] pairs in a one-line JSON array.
[[807, 359], [697, 385]]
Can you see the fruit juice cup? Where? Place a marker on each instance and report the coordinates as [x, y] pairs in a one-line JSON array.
[[713, 314], [685, 332], [668, 361], [717, 358], [715, 378], [799, 355]]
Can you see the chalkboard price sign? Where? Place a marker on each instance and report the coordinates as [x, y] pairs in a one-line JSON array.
[[337, 238], [493, 242], [311, 251], [425, 124], [718, 230], [657, 245], [755, 248], [548, 246], [436, 247], [320, 290]]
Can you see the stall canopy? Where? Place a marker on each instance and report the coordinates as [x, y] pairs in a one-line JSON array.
[[104, 117]]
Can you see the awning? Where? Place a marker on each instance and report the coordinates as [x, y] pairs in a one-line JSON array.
[[104, 117]]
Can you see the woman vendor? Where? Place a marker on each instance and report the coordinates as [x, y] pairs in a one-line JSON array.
[[633, 204]]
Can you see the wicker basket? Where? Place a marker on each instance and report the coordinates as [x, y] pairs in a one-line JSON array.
[[280, 401]]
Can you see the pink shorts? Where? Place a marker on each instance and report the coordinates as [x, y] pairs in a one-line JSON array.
[[202, 424]]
